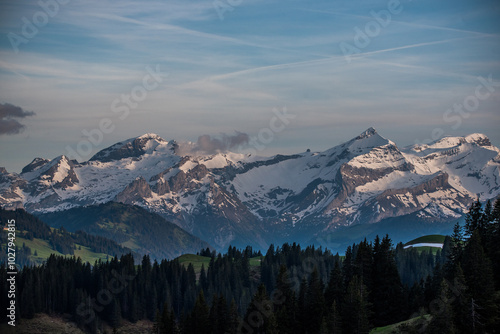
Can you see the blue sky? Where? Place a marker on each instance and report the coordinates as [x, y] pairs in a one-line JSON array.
[[226, 73]]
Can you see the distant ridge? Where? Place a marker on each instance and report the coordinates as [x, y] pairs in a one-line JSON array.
[[239, 199]]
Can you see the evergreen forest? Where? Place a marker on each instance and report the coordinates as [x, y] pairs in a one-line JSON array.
[[291, 289]]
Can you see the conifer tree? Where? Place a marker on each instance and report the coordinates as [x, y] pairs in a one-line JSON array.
[[134, 311], [334, 321], [387, 295], [260, 314], [315, 303], [27, 297], [285, 310], [488, 212], [302, 307], [455, 256], [232, 321], [479, 277], [461, 302], [363, 263], [348, 265], [165, 321], [495, 242], [355, 311], [218, 315], [335, 288], [442, 312], [473, 218], [115, 317], [203, 279], [198, 322]]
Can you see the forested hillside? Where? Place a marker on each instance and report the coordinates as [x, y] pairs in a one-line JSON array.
[[35, 241], [295, 289], [130, 226]]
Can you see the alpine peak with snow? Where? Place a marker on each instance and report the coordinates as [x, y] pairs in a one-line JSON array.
[[239, 199]]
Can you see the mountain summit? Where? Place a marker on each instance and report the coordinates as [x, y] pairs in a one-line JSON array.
[[368, 133], [230, 198], [133, 147]]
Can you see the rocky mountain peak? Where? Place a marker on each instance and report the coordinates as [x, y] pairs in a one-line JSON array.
[[154, 136], [367, 133], [131, 148], [366, 141], [478, 138], [35, 164], [60, 173]]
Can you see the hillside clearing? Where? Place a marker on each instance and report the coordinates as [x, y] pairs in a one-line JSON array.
[[432, 239]]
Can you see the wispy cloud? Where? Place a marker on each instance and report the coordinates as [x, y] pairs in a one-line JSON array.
[[323, 61], [404, 23]]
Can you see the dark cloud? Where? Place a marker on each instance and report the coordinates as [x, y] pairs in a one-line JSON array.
[[8, 113], [207, 144]]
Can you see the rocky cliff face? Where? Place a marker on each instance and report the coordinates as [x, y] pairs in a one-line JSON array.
[[230, 198], [135, 192]]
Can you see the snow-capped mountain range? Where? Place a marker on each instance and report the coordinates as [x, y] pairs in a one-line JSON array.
[[231, 198]]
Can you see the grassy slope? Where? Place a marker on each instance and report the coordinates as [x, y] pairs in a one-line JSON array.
[[44, 250], [255, 261], [42, 247], [196, 260], [433, 238], [393, 328]]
